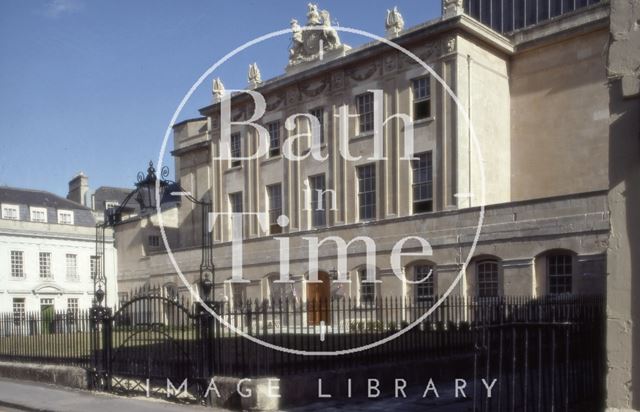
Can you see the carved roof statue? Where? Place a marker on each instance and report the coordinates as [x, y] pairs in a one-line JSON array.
[[255, 79], [313, 18], [452, 8], [218, 89], [312, 41], [394, 22]]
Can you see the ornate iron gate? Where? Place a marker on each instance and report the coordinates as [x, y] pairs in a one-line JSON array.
[[153, 344]]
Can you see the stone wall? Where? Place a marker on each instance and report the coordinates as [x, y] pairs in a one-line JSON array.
[[623, 257]]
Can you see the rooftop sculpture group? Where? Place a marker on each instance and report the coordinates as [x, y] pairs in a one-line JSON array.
[[315, 39]]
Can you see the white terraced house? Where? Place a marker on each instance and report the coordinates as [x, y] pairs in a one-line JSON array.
[[48, 254]]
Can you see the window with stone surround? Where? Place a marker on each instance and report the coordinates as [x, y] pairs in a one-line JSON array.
[[318, 200], [421, 95], [72, 305], [11, 212], [72, 266], [364, 108], [236, 149], [422, 182], [18, 310], [367, 289], [274, 193], [367, 191], [318, 112], [38, 214], [45, 264], [487, 277], [560, 273], [65, 217], [153, 241], [426, 288], [94, 266], [235, 206], [274, 138], [17, 264]]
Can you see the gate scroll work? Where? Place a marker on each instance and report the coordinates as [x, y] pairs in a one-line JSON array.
[[153, 345]]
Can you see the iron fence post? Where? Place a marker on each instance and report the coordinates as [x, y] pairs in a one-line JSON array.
[[101, 337], [204, 346]]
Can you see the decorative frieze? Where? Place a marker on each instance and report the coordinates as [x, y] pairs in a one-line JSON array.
[[390, 63], [314, 88], [274, 102], [337, 80], [363, 73]]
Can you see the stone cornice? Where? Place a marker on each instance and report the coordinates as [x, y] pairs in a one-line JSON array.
[[49, 235]]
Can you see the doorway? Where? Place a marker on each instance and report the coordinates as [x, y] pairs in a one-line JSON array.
[[47, 314], [318, 300]]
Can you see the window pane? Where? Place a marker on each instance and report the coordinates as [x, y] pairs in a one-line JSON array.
[[560, 271], [367, 290], [318, 200], [236, 149], [421, 98], [367, 191], [17, 264], [422, 182], [424, 289], [235, 199], [45, 264], [72, 267], [487, 272], [274, 138], [18, 310], [364, 107], [319, 114], [95, 266], [275, 207]]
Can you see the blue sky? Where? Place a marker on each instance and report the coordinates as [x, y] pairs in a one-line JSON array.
[[91, 85]]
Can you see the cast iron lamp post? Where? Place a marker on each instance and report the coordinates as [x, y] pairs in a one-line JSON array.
[[145, 195]]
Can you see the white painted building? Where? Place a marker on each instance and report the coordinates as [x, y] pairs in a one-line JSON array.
[[48, 253]]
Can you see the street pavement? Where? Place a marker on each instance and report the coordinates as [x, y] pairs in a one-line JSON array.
[[29, 396], [414, 402]]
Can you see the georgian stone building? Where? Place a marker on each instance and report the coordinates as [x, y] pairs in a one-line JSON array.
[[538, 101]]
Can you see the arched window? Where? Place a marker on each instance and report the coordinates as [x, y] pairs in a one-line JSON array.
[[367, 289], [280, 292], [424, 290], [559, 273], [487, 272]]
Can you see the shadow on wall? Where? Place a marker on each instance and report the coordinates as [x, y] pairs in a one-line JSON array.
[[624, 205]]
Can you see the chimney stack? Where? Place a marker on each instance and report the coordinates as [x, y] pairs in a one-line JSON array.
[[78, 189]]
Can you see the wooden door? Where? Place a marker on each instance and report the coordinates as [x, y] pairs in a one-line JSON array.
[[318, 300]]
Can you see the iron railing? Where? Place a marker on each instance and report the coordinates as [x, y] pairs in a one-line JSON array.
[[543, 351], [50, 337]]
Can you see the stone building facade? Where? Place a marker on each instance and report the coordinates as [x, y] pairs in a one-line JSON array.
[[537, 99]]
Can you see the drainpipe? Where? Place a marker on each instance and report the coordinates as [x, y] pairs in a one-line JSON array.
[[469, 125]]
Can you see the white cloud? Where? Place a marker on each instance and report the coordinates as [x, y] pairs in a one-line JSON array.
[[56, 8]]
